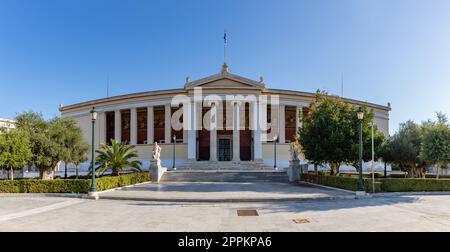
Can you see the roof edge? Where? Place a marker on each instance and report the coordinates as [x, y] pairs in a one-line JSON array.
[[284, 91], [119, 97]]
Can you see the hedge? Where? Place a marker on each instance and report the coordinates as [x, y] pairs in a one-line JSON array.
[[106, 183], [415, 185], [347, 183], [70, 185], [382, 185]]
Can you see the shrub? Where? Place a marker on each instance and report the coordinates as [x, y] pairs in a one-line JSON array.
[[415, 185], [70, 185], [347, 183], [398, 175], [45, 186], [365, 175], [106, 183], [383, 185]]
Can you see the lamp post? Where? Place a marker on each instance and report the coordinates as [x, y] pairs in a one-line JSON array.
[[360, 115], [173, 163], [275, 138], [93, 119]]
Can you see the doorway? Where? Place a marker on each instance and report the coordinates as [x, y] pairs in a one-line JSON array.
[[224, 149]]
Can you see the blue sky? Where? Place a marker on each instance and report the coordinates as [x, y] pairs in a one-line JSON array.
[[396, 51]]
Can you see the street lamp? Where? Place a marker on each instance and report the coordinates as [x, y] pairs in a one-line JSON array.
[[93, 119], [360, 115], [275, 151], [173, 163]]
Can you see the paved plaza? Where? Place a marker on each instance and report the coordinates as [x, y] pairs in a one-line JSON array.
[[383, 213], [225, 192]]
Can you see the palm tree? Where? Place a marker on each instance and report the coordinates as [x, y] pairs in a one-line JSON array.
[[116, 158]]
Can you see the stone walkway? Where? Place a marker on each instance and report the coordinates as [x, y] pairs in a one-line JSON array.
[[396, 213], [224, 192]]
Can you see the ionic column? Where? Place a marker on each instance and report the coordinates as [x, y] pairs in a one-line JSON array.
[[213, 134], [298, 119], [185, 125], [257, 141], [236, 140], [282, 126], [133, 126], [117, 126], [102, 127], [150, 125], [167, 126], [192, 133]]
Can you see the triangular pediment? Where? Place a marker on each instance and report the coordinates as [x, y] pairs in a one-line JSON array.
[[225, 80]]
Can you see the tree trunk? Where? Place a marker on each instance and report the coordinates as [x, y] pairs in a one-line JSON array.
[[316, 171], [76, 171], [334, 169], [115, 172], [46, 174], [65, 170], [414, 172], [385, 169], [438, 167], [11, 174]]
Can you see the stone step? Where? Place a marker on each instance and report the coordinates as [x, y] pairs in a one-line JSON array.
[[228, 165], [225, 176]]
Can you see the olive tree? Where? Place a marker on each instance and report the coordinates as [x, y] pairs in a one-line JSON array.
[[386, 154], [435, 145], [46, 138], [70, 137], [15, 150], [79, 155], [403, 149]]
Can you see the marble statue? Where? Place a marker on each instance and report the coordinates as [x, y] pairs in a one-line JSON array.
[[294, 170], [156, 152], [294, 152], [156, 171]]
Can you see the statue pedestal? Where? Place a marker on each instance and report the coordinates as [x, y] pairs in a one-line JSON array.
[[293, 171], [156, 171]]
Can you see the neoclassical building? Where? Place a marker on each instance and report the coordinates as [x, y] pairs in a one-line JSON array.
[[7, 123], [218, 121]]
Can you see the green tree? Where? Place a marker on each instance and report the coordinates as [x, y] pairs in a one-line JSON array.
[[15, 150], [116, 158], [404, 149], [31, 122], [70, 138], [79, 155], [330, 132], [386, 154], [435, 145], [45, 141]]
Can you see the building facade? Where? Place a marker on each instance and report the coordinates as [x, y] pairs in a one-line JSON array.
[[7, 123], [217, 120]]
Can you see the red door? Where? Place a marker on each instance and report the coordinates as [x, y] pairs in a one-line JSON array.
[[245, 139]]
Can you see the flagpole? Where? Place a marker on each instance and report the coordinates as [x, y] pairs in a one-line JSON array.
[[225, 46], [225, 53]]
